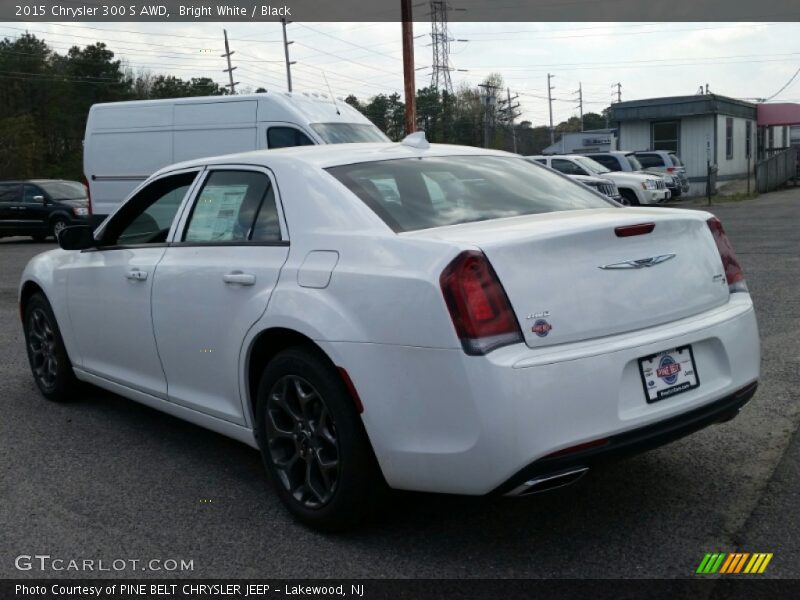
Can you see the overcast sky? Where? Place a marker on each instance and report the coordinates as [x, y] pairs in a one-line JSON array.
[[743, 60]]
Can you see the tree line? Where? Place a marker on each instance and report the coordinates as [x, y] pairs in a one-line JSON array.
[[45, 98]]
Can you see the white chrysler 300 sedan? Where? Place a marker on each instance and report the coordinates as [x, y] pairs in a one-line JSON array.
[[434, 318]]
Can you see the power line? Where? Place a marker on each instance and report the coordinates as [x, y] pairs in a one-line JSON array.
[[788, 83]]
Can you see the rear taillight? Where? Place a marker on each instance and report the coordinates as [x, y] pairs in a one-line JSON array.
[[671, 169], [478, 305], [88, 195], [733, 270]]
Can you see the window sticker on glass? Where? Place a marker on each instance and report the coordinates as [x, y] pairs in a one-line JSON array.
[[216, 213]]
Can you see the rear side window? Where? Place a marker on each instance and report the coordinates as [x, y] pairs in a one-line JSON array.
[[286, 137], [10, 192], [650, 160], [412, 193], [609, 162], [567, 167], [234, 206]]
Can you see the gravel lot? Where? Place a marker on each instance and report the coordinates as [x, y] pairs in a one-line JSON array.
[[106, 478]]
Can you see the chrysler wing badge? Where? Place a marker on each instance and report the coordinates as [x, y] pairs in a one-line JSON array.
[[640, 263]]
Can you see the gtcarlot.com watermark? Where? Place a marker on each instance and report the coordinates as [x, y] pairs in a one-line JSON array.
[[45, 562]]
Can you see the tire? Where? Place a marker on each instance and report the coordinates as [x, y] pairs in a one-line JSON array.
[[47, 355], [629, 197], [318, 457], [57, 225]]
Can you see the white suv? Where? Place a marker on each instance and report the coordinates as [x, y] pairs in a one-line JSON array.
[[635, 188]]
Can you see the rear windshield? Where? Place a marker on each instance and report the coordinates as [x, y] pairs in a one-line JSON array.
[[420, 193], [676, 161], [650, 160], [635, 164], [63, 190], [348, 133]]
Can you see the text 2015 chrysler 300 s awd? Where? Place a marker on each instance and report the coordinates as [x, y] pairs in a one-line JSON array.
[[434, 318]]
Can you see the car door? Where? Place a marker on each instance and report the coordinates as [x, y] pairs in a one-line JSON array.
[[214, 283], [34, 210], [9, 199], [109, 287]]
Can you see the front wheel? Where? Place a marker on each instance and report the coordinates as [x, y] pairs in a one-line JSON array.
[[629, 198], [313, 442], [47, 355], [58, 225]]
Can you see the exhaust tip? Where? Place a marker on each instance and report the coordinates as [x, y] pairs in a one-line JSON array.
[[546, 483]]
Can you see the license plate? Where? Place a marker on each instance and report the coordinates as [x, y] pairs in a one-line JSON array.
[[668, 373]]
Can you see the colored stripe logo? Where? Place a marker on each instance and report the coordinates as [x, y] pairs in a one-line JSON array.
[[734, 563]]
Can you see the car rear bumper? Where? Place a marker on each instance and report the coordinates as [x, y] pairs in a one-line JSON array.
[[635, 441], [442, 421]]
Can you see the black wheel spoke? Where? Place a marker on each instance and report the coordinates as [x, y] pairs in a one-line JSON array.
[[302, 442], [42, 348]]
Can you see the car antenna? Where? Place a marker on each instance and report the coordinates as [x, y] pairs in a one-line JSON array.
[[331, 93]]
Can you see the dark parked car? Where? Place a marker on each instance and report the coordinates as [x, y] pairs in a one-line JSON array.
[[42, 207]]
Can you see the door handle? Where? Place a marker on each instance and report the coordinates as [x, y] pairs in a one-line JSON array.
[[239, 278], [136, 275]]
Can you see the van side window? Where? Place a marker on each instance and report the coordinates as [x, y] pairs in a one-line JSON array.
[[285, 137], [10, 192], [234, 206]]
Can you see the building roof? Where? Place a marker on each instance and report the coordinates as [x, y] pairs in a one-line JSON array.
[[780, 113], [672, 107]]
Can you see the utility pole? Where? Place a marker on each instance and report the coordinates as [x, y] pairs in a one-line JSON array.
[[489, 102], [510, 116], [408, 67], [232, 85], [289, 63], [550, 88], [619, 91], [580, 102]]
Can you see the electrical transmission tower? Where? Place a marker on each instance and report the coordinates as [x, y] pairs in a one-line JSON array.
[[440, 40]]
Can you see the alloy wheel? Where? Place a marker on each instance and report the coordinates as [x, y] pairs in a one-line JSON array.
[[58, 227], [42, 346], [302, 441]]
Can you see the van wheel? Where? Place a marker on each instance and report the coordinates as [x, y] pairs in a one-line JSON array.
[[57, 226], [629, 198], [47, 355], [313, 442]]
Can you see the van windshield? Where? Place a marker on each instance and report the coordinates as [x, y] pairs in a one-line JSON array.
[[348, 133]]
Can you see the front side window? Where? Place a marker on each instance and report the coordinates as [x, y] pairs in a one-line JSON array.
[[448, 190], [30, 192], [234, 206], [634, 162], [729, 138], [591, 165], [147, 217], [666, 135], [286, 137]]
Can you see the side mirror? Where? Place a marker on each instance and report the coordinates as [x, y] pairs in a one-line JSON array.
[[76, 237], [39, 200]]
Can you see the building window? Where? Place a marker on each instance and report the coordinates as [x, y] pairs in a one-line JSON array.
[[729, 138], [786, 136], [748, 141], [771, 143], [665, 135]]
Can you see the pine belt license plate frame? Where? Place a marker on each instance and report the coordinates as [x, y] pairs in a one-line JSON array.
[[685, 378]]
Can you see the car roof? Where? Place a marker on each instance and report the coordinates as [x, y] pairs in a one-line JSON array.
[[324, 156]]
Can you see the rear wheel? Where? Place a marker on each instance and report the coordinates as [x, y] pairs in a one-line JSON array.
[[629, 198], [47, 355], [313, 442]]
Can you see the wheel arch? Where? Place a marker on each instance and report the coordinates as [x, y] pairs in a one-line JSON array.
[[28, 289]]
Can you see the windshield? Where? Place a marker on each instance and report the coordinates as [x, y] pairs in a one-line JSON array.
[[418, 193], [635, 164], [592, 165], [348, 133], [63, 190]]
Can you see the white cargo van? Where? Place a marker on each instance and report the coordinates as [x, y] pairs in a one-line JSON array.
[[127, 141]]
